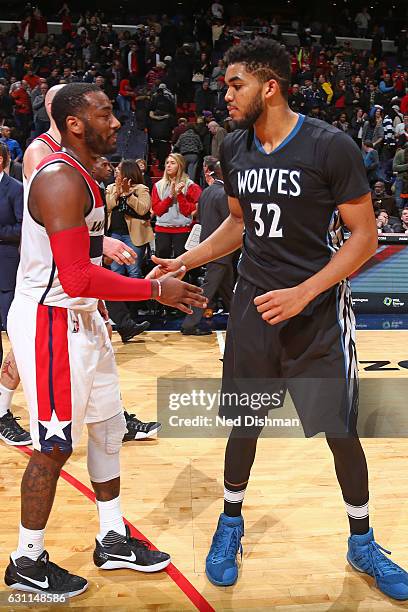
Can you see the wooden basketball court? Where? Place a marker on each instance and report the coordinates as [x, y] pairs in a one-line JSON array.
[[295, 522]]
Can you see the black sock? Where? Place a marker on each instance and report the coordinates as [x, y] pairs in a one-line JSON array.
[[239, 457], [352, 474]]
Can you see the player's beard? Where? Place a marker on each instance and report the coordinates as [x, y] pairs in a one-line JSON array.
[[252, 113], [97, 144]]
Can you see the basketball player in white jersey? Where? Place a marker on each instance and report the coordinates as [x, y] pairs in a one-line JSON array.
[[62, 349], [10, 430]]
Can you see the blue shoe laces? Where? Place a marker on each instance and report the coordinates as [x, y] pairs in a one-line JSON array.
[[381, 565], [226, 543]]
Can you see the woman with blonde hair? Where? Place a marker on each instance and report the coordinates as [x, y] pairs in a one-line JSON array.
[[174, 202]]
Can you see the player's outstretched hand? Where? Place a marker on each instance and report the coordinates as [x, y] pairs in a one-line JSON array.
[[282, 304], [181, 295], [118, 251], [164, 266]]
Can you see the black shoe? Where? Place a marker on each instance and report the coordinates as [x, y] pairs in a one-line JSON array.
[[128, 553], [133, 330], [11, 432], [42, 576], [195, 331], [137, 430]]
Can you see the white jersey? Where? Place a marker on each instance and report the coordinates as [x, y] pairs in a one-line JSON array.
[[37, 277]]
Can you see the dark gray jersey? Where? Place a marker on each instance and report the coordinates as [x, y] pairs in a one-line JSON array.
[[289, 199]]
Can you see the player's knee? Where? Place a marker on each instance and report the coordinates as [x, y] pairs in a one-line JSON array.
[[104, 444], [55, 457]]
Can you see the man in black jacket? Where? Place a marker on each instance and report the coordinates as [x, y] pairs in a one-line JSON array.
[[219, 277]]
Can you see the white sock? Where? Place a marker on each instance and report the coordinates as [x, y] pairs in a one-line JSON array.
[[110, 518], [30, 543], [6, 395]]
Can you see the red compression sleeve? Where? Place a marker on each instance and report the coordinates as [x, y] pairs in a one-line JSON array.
[[79, 277]]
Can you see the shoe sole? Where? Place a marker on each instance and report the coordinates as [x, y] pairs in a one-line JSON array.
[[147, 569], [375, 583], [17, 586], [12, 443], [221, 584], [143, 436]]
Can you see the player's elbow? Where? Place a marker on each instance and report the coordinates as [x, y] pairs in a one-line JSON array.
[[74, 282]]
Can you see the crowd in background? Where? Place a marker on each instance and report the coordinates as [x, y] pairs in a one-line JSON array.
[[167, 76]]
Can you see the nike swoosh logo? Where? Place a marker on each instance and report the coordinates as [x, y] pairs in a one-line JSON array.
[[43, 583], [132, 557]]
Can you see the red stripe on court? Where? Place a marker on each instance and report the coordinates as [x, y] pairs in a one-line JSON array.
[[178, 578], [61, 374], [42, 363]]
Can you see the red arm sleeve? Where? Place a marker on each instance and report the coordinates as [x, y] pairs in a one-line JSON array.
[[81, 278], [188, 203], [160, 206]]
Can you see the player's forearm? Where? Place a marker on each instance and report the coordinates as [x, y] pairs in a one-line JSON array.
[[226, 239], [351, 256]]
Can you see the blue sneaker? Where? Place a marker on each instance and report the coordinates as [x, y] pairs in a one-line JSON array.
[[365, 555], [221, 564]]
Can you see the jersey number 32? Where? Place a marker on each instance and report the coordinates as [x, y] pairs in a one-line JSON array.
[[260, 229]]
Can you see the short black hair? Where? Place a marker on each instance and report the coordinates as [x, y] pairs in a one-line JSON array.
[[213, 165], [71, 100], [265, 57], [4, 153]]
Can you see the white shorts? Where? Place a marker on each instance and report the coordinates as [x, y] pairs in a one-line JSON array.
[[67, 366]]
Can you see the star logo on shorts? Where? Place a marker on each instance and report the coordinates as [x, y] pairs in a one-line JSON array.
[[54, 427]]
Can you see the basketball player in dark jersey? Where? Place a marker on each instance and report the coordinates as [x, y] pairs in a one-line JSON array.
[[292, 181]]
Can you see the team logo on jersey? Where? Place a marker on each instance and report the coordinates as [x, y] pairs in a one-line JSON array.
[[97, 226]]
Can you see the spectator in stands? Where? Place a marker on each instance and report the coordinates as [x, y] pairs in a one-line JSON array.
[[373, 129], [297, 100], [217, 71], [356, 127], [183, 65], [6, 105], [13, 146], [145, 175], [404, 104], [128, 206], [401, 129], [362, 21], [342, 123], [383, 226], [382, 200], [402, 226], [126, 97], [41, 120], [180, 128], [22, 109], [371, 160], [325, 88], [202, 70], [190, 146], [174, 202], [218, 134], [204, 98], [400, 167], [386, 86], [162, 118], [220, 103]]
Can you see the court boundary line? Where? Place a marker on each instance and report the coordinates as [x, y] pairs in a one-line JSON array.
[[171, 570]]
